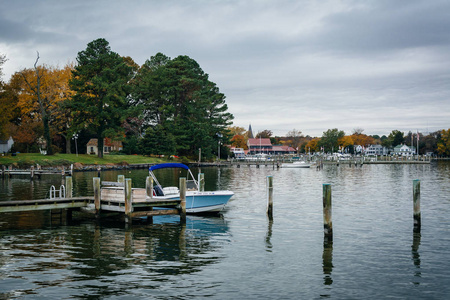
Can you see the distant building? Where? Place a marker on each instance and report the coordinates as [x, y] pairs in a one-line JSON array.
[[259, 146], [404, 150], [250, 132], [279, 150], [238, 152], [376, 150], [6, 145], [108, 146]]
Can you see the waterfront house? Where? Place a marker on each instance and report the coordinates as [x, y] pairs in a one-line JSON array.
[[259, 146], [376, 150], [404, 150], [280, 150], [6, 145], [238, 152], [108, 146]]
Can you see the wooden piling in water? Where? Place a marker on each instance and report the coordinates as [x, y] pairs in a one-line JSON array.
[[416, 205], [327, 222], [32, 172], [183, 199], [128, 201], [69, 187], [96, 182], [201, 182], [270, 197], [149, 193]]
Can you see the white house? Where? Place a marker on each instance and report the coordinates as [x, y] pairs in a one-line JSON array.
[[404, 150], [376, 150], [6, 145]]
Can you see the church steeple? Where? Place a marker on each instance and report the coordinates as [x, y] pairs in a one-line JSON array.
[[250, 132]]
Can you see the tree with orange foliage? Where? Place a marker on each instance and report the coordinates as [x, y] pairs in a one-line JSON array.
[[312, 145], [238, 141], [39, 93], [361, 139], [345, 141]]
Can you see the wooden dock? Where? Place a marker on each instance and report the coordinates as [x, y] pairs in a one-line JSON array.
[[33, 172], [117, 197]]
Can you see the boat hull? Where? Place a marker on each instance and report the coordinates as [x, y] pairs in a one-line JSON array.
[[203, 202], [296, 165]]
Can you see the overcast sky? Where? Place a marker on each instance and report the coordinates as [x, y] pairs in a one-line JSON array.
[[309, 65]]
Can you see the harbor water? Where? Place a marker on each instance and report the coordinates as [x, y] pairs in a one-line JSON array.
[[241, 254]]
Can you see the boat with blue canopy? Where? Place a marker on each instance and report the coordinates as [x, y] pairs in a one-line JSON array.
[[197, 200]]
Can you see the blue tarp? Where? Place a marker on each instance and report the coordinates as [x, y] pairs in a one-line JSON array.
[[168, 165]]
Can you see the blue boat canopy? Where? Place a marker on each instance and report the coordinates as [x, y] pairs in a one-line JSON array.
[[168, 165]]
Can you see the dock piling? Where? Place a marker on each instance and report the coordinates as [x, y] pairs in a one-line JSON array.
[[327, 222], [96, 182], [270, 197], [416, 205], [128, 200], [183, 199], [201, 182]]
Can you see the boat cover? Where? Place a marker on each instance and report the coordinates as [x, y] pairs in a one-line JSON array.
[[168, 165]]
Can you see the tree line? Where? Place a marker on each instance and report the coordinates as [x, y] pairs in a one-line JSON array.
[[334, 140], [164, 107]]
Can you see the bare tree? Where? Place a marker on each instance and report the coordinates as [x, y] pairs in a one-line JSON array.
[[42, 106]]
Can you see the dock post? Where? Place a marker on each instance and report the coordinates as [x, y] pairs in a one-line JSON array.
[[270, 197], [416, 203], [4, 171], [96, 181], [201, 182], [149, 192], [98, 171], [183, 199], [69, 187], [121, 178], [69, 194], [128, 200], [32, 172], [327, 222]]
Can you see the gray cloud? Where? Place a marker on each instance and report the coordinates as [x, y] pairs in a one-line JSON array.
[[309, 65]]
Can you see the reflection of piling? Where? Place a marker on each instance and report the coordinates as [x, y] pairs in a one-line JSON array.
[[69, 194], [183, 199], [327, 262], [120, 178], [327, 223], [416, 204], [270, 197]]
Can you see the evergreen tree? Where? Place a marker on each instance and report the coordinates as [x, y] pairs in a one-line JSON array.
[[100, 81]]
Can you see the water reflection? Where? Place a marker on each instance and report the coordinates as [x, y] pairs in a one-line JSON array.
[[269, 236], [108, 253], [415, 254], [327, 261]]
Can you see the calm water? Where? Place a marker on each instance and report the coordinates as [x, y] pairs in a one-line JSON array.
[[241, 254]]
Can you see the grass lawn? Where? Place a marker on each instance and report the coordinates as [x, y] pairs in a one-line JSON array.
[[28, 159]]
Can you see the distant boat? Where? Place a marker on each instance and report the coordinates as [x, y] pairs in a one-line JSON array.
[[196, 201], [297, 164]]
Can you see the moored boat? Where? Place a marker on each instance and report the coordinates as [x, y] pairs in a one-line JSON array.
[[296, 164], [196, 201]]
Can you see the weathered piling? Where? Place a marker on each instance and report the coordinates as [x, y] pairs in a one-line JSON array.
[[120, 178], [201, 182], [128, 201], [149, 186], [183, 199], [96, 182], [32, 172], [69, 187], [149, 194], [327, 222], [270, 197], [416, 205]]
